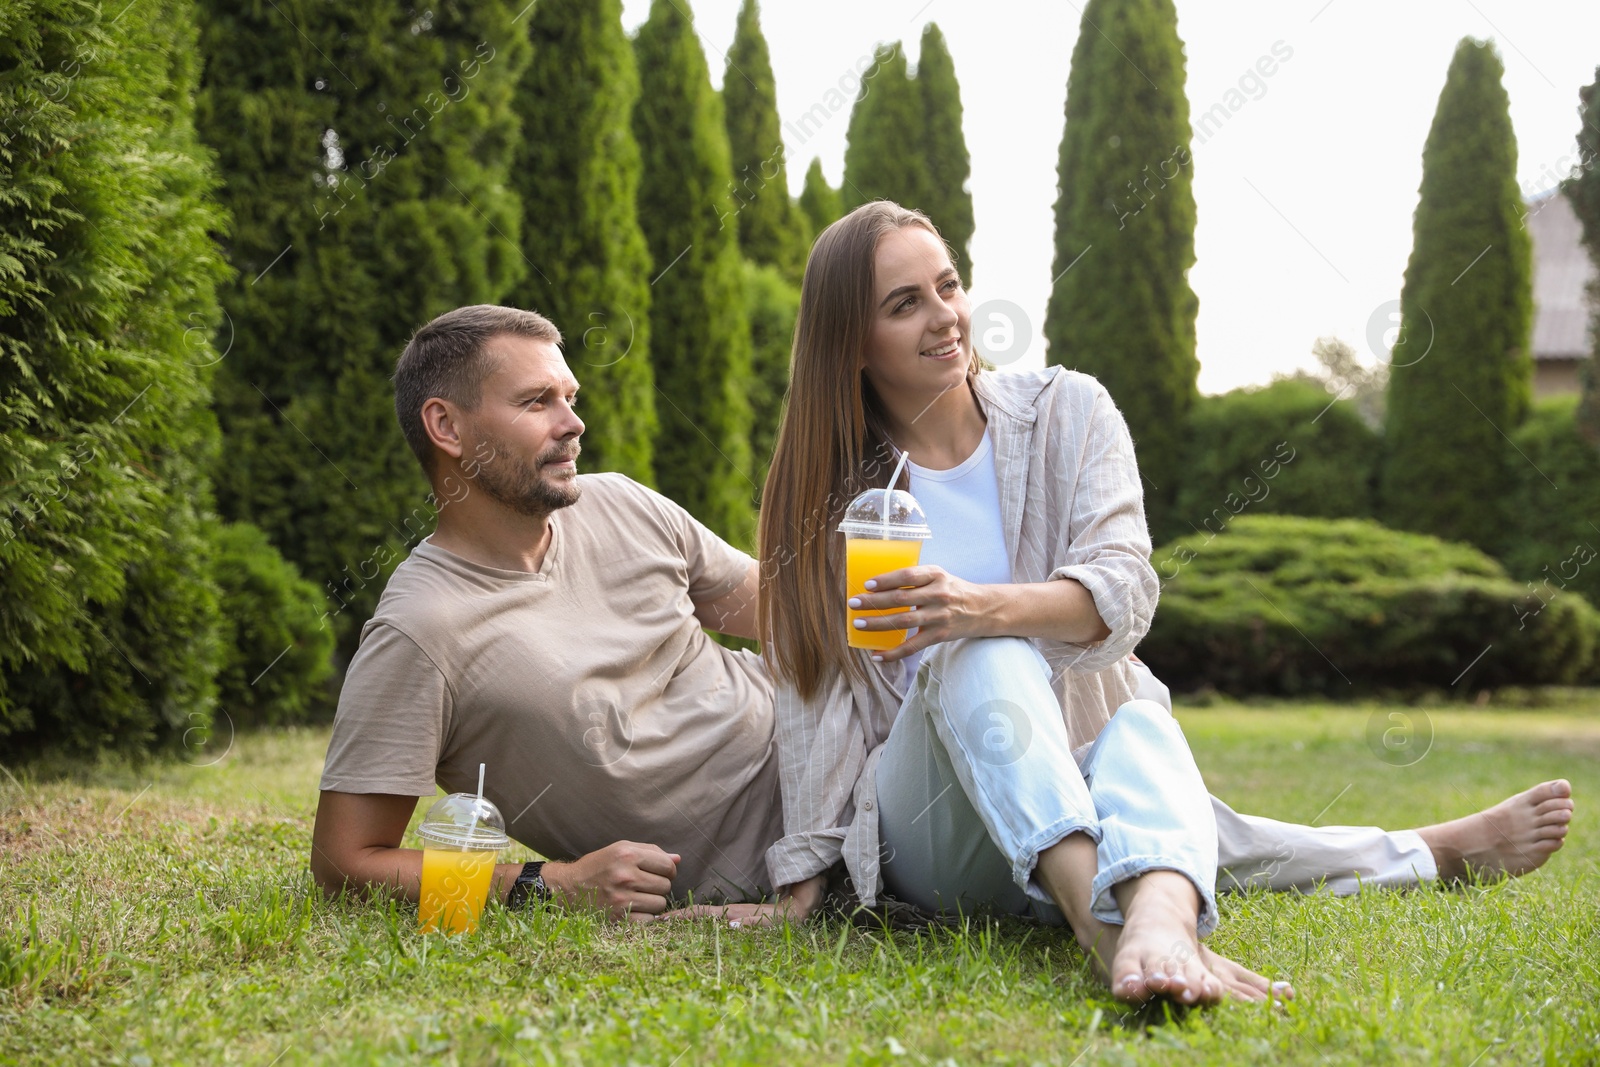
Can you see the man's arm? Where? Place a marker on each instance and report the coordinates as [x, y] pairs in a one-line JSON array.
[[356, 845], [733, 613]]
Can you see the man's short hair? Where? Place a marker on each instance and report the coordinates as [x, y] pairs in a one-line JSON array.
[[449, 358]]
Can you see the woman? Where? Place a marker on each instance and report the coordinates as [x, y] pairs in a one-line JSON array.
[[955, 785]]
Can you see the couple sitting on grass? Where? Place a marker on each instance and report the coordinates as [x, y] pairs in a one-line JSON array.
[[1011, 755]]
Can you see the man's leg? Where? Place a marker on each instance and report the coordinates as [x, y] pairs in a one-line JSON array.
[[1511, 838]]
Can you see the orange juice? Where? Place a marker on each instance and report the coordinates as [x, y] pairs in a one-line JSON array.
[[455, 886], [865, 558]]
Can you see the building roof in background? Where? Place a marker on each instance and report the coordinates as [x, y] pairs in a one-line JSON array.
[[1562, 272]]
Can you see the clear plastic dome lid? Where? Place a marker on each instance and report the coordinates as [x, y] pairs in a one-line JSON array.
[[463, 821], [865, 517]]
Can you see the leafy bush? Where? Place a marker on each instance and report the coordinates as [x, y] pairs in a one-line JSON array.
[[1278, 604], [107, 299], [1556, 522], [1286, 449], [275, 648]]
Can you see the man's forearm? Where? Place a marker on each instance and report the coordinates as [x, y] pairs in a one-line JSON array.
[[391, 871]]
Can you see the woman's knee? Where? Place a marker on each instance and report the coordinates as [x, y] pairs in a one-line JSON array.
[[1145, 716], [1008, 655]]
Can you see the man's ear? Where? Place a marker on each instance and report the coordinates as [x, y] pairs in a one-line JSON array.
[[442, 422]]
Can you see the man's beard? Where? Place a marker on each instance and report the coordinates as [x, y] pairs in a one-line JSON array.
[[511, 480]]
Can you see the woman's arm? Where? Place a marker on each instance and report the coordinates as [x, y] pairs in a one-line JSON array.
[[946, 607]]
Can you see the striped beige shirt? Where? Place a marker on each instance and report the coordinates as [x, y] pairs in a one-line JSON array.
[[1072, 507]]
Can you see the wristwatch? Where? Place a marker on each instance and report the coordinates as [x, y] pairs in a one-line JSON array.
[[529, 886]]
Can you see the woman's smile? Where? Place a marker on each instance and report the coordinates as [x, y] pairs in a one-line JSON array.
[[945, 350]]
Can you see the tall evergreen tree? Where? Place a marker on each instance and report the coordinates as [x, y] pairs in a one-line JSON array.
[[1583, 189], [883, 155], [365, 149], [819, 201], [944, 148], [700, 336], [578, 176], [108, 615], [1125, 206], [771, 229], [1462, 377]]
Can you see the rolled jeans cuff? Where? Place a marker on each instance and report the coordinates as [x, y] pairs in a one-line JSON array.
[[1103, 905], [1027, 859]]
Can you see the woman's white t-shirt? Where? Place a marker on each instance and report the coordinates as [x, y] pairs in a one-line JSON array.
[[963, 509]]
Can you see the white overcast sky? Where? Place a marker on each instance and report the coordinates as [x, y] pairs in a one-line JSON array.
[[1305, 195]]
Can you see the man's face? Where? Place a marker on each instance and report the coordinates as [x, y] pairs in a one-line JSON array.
[[522, 441]]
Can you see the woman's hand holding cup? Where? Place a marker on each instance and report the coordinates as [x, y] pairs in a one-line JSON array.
[[943, 608]]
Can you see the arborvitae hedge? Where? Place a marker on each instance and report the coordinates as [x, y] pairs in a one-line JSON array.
[[1555, 503], [771, 228], [1583, 189], [700, 338], [1120, 304], [883, 155], [108, 616], [578, 175], [944, 148], [819, 201], [365, 149], [1461, 379], [1286, 449], [772, 304]]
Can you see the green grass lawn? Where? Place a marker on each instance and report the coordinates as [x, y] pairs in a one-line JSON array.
[[164, 914]]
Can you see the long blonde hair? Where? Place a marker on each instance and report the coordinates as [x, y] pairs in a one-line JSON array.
[[833, 444]]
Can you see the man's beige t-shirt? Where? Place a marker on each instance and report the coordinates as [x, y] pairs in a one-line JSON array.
[[601, 708]]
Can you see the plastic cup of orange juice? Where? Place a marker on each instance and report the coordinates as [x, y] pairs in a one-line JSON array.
[[462, 836], [883, 531]]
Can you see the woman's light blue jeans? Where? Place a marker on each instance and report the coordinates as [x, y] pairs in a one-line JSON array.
[[977, 777]]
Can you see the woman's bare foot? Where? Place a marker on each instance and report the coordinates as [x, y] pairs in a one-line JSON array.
[[1512, 838], [1157, 953], [1241, 982]]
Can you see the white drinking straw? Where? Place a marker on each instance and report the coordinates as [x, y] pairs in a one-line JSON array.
[[473, 832], [894, 479]]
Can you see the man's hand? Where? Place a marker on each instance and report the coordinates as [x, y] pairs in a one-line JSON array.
[[795, 904], [626, 880]]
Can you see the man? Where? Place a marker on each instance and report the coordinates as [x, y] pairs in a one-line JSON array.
[[551, 628]]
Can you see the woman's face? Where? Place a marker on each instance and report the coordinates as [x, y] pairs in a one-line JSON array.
[[921, 318]]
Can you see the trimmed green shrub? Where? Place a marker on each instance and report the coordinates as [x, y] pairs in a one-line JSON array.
[[276, 651], [1285, 449], [772, 305], [1126, 312], [1556, 503], [108, 618], [1284, 605]]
